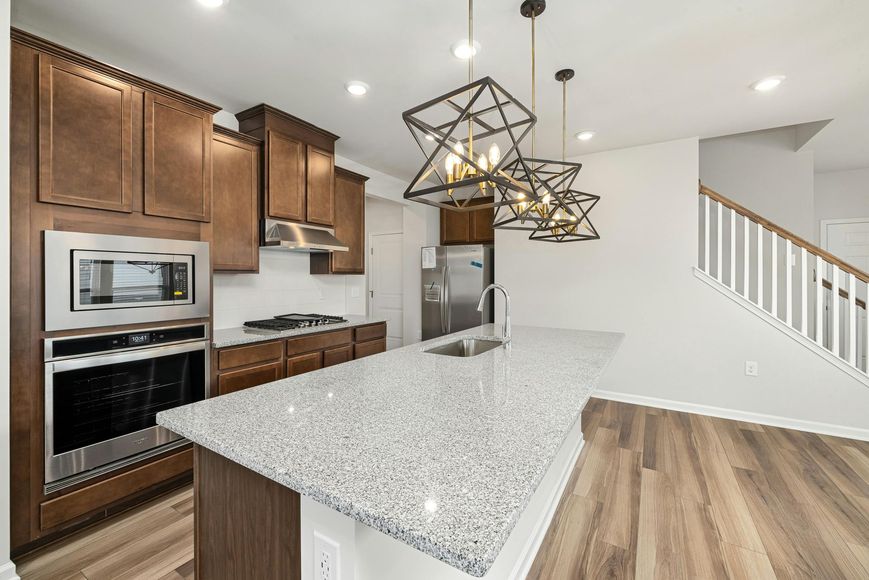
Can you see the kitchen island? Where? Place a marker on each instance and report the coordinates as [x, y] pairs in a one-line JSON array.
[[414, 464]]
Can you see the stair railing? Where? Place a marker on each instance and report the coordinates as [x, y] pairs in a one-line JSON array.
[[793, 281]]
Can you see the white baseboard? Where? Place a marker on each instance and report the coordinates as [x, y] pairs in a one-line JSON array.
[[736, 415], [7, 571]]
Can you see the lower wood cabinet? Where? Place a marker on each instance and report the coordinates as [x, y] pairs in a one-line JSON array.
[[242, 367], [304, 363], [339, 355], [363, 349], [248, 377]]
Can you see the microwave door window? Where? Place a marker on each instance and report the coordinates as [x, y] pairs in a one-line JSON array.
[[124, 282]]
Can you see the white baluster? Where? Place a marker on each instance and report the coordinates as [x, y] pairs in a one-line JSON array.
[[852, 319], [773, 306], [706, 235], [760, 265], [804, 289], [719, 211], [733, 250], [746, 250], [835, 299], [820, 272], [789, 283]]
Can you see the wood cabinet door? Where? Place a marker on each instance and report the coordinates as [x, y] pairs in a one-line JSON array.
[[304, 363], [349, 226], [235, 246], [481, 228], [85, 137], [363, 349], [455, 227], [177, 159], [285, 177], [321, 186], [249, 377], [338, 355]]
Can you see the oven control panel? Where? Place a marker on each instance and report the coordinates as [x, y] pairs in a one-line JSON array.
[[76, 346]]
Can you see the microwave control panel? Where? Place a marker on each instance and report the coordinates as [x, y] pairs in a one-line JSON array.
[[180, 285]]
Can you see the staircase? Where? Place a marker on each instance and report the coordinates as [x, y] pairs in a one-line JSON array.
[[808, 293]]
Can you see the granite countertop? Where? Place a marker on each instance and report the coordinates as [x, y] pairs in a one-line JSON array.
[[223, 337], [441, 453]]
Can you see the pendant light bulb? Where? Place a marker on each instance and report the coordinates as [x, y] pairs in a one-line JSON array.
[[459, 149], [494, 154]]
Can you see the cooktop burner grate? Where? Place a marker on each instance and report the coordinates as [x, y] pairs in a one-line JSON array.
[[292, 321]]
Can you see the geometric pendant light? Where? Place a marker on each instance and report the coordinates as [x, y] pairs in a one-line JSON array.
[[569, 221], [468, 137]]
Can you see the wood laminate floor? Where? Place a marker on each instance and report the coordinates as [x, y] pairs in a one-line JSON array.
[[655, 494]]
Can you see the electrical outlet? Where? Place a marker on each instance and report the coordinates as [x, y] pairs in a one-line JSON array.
[[326, 553], [751, 368]]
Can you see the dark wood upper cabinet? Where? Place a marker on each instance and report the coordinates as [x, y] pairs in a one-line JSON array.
[[299, 165], [467, 227], [85, 137], [349, 227], [177, 159], [235, 190], [321, 186], [481, 228], [285, 171]]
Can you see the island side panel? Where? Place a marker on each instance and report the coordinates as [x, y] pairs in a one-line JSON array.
[[247, 526]]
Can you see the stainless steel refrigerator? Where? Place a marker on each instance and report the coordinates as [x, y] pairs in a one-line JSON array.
[[452, 279]]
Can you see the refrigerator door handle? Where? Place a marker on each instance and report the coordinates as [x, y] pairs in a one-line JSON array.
[[442, 303], [447, 298]]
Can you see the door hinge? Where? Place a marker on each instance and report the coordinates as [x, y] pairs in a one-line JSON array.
[[372, 251]]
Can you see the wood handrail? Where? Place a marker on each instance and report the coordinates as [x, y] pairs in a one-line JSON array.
[[745, 212], [843, 293]]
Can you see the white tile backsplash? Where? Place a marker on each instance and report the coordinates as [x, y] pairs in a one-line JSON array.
[[283, 285]]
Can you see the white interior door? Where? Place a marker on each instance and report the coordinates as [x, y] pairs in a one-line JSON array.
[[385, 285], [847, 239]]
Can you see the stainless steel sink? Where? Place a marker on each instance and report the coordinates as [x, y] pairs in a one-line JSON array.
[[466, 347]]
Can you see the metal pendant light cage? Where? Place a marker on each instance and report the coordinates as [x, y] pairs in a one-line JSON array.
[[456, 133]]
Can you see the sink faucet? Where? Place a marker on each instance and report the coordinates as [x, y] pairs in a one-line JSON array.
[[507, 332]]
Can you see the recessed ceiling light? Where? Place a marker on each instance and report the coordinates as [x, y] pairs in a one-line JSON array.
[[585, 135], [213, 3], [356, 88], [463, 51], [768, 84]]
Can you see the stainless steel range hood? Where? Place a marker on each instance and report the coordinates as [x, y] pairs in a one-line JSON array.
[[300, 238]]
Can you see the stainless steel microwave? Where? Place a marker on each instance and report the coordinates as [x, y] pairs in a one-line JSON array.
[[102, 280]]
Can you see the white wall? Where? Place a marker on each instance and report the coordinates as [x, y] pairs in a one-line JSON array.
[[420, 226], [283, 285], [841, 194], [7, 569], [684, 341], [762, 172]]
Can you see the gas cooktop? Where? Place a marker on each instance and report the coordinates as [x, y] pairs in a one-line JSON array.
[[292, 321]]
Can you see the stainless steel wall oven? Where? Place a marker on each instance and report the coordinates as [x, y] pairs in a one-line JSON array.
[[103, 392], [101, 280]]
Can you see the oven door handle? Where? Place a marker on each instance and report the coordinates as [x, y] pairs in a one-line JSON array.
[[85, 362]]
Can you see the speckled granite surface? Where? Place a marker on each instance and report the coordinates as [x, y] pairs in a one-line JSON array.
[[441, 453], [223, 337]]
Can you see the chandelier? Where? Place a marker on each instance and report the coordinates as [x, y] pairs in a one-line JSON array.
[[555, 212], [469, 136]]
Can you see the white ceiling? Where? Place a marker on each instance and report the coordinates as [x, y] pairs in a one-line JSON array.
[[646, 71]]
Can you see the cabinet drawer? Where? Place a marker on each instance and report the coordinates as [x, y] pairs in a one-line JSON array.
[[249, 377], [304, 363], [363, 349], [228, 358], [97, 496], [319, 341], [337, 355], [370, 332]]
